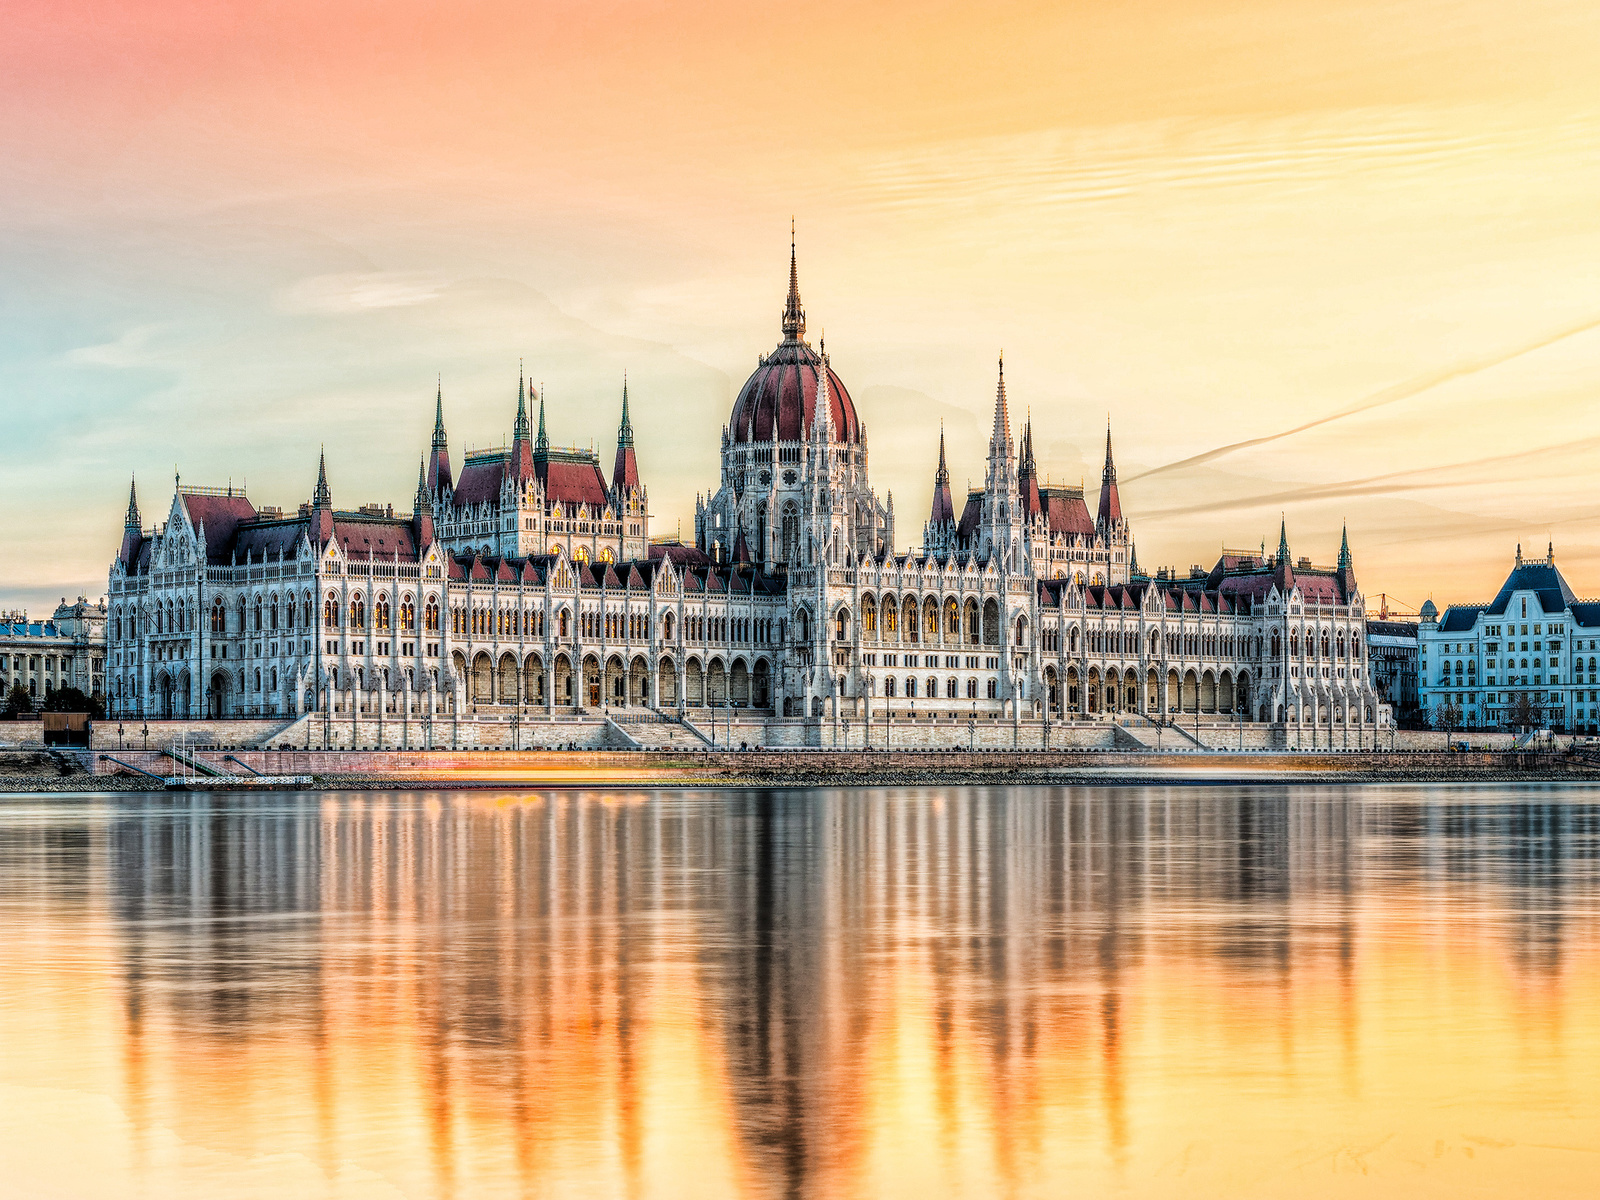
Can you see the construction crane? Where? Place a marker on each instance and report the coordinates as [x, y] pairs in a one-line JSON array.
[[1388, 607]]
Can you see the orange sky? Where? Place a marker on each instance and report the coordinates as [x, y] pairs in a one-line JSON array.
[[232, 233]]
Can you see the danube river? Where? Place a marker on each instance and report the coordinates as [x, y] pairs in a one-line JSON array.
[[1153, 991]]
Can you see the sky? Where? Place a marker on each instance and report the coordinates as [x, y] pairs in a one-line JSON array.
[[233, 234]]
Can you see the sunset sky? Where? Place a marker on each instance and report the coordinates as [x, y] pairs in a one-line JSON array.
[[231, 233]]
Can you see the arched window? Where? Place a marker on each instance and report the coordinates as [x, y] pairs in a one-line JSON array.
[[219, 616], [911, 686], [272, 613], [992, 686], [330, 612], [380, 614], [972, 689], [841, 625], [358, 612], [565, 618], [1022, 631], [430, 616], [888, 687], [950, 688]]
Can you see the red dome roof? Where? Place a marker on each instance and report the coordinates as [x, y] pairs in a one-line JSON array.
[[784, 387]]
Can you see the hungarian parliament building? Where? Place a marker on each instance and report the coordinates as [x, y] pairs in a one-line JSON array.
[[525, 582]]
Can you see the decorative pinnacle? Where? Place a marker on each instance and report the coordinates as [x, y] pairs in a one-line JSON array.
[[132, 521], [423, 502], [439, 441], [794, 317], [1344, 548], [1109, 473], [1283, 542], [543, 442], [322, 498], [625, 430], [1002, 416], [519, 432], [941, 477]]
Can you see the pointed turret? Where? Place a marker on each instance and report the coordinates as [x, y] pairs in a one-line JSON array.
[[794, 317], [132, 528], [1282, 568], [521, 451], [321, 504], [625, 472], [439, 476], [1347, 566], [1028, 473], [1110, 515], [943, 512], [1000, 438], [541, 443], [422, 509]]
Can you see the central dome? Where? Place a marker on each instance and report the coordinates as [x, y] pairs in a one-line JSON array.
[[783, 389]]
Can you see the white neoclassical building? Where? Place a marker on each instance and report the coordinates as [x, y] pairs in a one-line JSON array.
[[529, 584]]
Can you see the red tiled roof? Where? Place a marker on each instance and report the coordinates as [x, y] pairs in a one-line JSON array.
[[570, 482], [221, 515], [785, 387], [680, 554], [480, 481], [1066, 512], [363, 537]]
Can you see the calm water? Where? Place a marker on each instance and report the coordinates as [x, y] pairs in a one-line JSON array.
[[1182, 991]]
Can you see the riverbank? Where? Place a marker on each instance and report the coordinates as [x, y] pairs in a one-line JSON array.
[[258, 770]]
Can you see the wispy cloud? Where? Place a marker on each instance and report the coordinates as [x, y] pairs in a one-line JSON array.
[[363, 292]]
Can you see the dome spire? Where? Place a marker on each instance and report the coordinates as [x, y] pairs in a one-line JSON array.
[[794, 317]]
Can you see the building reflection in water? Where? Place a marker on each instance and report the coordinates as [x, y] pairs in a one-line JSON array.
[[1163, 990]]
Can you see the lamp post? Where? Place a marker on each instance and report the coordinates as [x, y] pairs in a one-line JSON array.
[[972, 729]]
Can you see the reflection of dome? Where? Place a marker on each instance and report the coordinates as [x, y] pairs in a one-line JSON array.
[[784, 387], [1430, 611]]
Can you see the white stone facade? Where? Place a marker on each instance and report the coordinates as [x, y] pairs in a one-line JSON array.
[[529, 587]]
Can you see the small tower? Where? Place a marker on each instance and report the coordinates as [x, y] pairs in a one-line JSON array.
[[1109, 522], [440, 480], [625, 471], [422, 510], [939, 535], [1347, 569], [321, 505], [132, 529], [1282, 567], [1000, 517], [521, 451]]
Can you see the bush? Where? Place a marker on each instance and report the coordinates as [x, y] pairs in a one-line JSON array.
[[18, 701], [71, 700]]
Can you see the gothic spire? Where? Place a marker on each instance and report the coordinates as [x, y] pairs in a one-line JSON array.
[[439, 474], [625, 470], [625, 430], [520, 430], [1001, 437], [1110, 497], [943, 512], [1283, 542], [794, 317], [941, 476], [423, 501], [439, 439], [321, 497], [131, 521], [1345, 561], [542, 442]]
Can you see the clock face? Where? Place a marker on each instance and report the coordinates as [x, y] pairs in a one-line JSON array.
[[788, 478]]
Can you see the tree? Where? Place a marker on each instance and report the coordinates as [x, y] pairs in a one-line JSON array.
[[72, 700], [1446, 715], [1525, 711], [18, 701]]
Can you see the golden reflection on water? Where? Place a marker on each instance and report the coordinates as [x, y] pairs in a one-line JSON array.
[[1146, 992]]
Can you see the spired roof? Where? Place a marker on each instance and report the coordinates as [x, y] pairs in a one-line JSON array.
[[481, 476], [363, 537], [1541, 578], [783, 389], [572, 477]]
